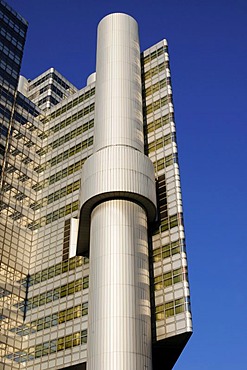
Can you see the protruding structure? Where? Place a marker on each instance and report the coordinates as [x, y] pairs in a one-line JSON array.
[[23, 85], [118, 192], [91, 78]]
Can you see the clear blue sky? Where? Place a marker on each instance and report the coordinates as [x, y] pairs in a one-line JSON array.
[[208, 52]]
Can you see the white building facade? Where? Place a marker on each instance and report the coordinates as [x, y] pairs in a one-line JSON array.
[[94, 172]]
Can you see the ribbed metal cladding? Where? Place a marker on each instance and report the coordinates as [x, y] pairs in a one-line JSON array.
[[115, 171], [118, 99], [118, 199], [118, 167], [119, 332]]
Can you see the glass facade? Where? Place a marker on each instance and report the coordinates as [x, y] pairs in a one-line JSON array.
[[46, 134], [171, 296]]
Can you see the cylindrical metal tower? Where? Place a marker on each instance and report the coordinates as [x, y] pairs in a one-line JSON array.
[[118, 201]]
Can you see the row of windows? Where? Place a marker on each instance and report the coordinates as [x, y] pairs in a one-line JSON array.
[[21, 157], [60, 175], [5, 111], [46, 200], [5, 108], [66, 239], [55, 270], [20, 196], [7, 78], [8, 211], [156, 87], [64, 139], [72, 104], [49, 99], [10, 69], [5, 293], [66, 123], [158, 104], [54, 294], [78, 131], [161, 142], [65, 155], [10, 53], [11, 12], [60, 81], [55, 215], [11, 38], [22, 139], [11, 47], [165, 162], [18, 174], [170, 278], [53, 88], [13, 15], [9, 273], [49, 347], [52, 320], [34, 96], [20, 118], [2, 150], [14, 151], [162, 121], [3, 205], [63, 343], [168, 250], [56, 195], [46, 77], [172, 308], [40, 81], [16, 215], [11, 21], [155, 54], [3, 131], [169, 222], [6, 187], [162, 197], [28, 106], [25, 125], [155, 70], [7, 94], [83, 112]]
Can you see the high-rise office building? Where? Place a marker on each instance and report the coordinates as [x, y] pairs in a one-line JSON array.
[[93, 263]]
